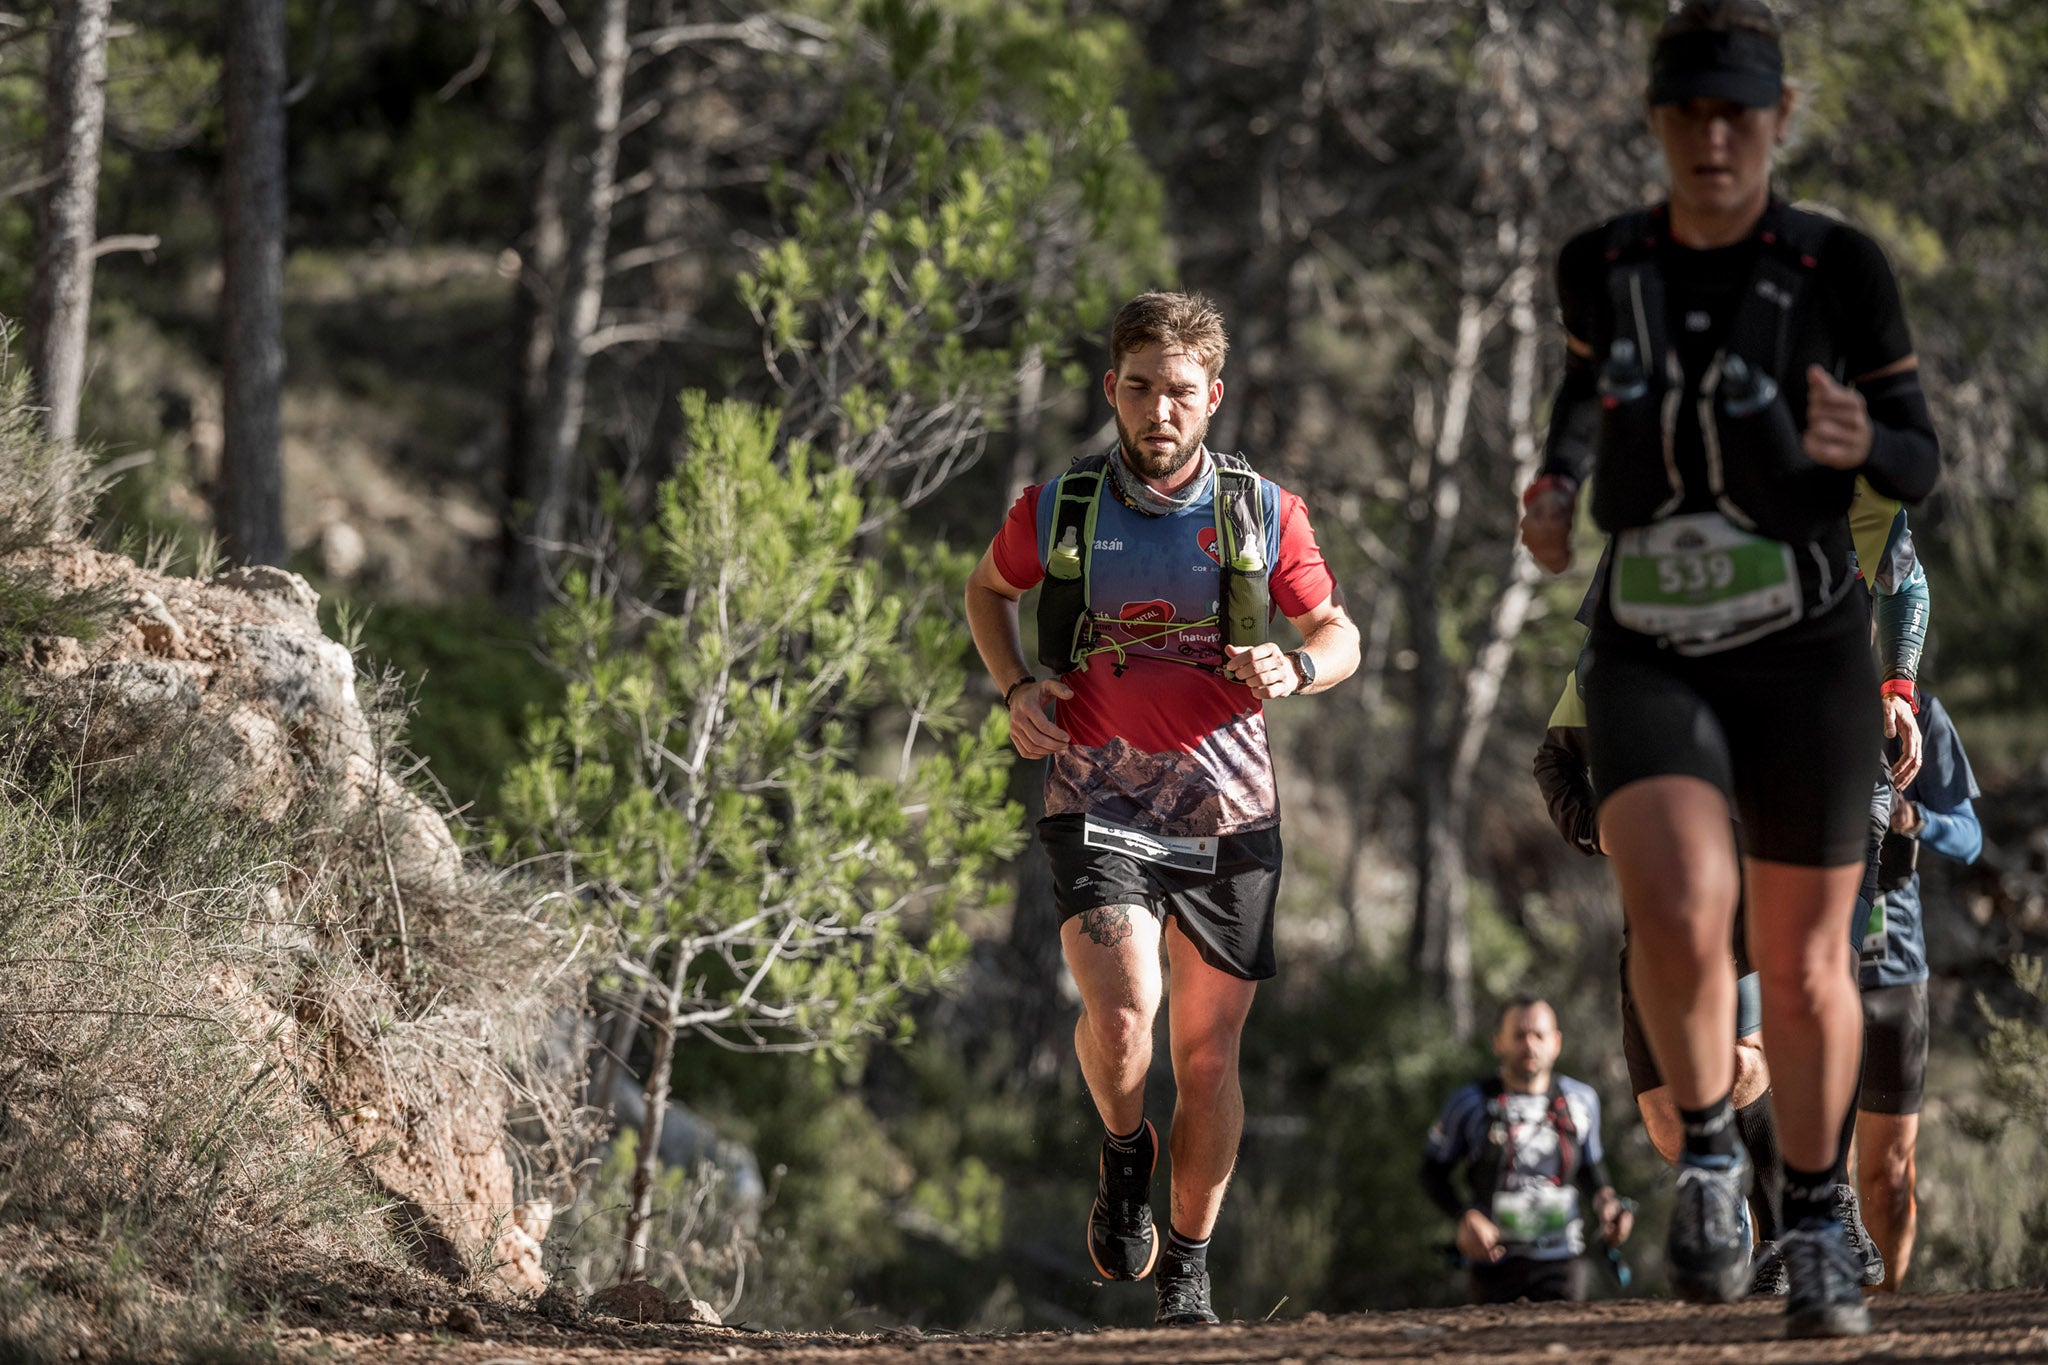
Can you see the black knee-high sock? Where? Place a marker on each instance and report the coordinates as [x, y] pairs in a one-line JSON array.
[[1758, 1125]]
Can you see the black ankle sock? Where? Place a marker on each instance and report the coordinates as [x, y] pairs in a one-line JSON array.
[[1758, 1125], [1186, 1249], [1132, 1142], [1709, 1132], [1810, 1195]]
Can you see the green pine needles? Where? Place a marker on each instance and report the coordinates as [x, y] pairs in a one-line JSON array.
[[977, 205], [780, 879]]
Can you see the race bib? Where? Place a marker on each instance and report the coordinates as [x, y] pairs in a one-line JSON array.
[[1537, 1216], [1701, 584], [1189, 855]]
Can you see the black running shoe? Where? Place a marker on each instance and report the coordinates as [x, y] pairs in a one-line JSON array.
[[1827, 1282], [1767, 1271], [1122, 1240], [1709, 1246], [1183, 1294], [1860, 1241]]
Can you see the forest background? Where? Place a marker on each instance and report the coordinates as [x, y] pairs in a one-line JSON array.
[[432, 354]]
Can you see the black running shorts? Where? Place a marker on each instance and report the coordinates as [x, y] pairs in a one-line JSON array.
[[1894, 1049], [1787, 727], [1227, 913], [1518, 1277]]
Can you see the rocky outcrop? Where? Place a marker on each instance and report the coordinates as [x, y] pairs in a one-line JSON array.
[[232, 681]]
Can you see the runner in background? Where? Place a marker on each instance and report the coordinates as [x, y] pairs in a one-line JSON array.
[[1528, 1142], [1935, 813]]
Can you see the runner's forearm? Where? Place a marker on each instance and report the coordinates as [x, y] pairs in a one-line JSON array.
[[1901, 624], [1574, 419], [1334, 646], [992, 621], [1568, 788], [1905, 454], [1956, 834]]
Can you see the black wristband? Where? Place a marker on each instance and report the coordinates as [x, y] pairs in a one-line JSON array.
[[1012, 691]]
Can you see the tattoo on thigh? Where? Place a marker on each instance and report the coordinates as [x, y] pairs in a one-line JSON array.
[[1108, 925]]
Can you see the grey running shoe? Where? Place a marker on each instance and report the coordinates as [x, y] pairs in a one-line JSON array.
[[1860, 1240], [1183, 1294], [1767, 1271], [1708, 1246], [1122, 1240], [1827, 1282]]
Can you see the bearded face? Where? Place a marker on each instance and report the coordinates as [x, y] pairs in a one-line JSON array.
[[1161, 452], [1163, 400]]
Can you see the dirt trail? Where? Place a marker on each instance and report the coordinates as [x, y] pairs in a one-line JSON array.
[[1951, 1327]]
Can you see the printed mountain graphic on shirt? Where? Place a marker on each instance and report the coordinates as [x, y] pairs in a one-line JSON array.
[[1224, 785]]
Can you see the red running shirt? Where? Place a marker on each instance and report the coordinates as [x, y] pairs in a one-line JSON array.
[[1161, 741]]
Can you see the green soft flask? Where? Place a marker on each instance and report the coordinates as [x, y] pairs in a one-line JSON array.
[[1246, 606], [1065, 561]]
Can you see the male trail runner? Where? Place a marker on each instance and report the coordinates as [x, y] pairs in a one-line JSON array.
[[1934, 812], [1529, 1142], [1161, 566]]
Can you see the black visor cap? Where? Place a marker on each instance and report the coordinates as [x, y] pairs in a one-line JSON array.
[[1747, 68]]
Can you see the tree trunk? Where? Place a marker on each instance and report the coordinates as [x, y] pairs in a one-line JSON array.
[[249, 506], [1024, 438], [539, 250], [676, 213], [74, 111], [1511, 609], [589, 203], [1439, 942], [1376, 632], [647, 1162]]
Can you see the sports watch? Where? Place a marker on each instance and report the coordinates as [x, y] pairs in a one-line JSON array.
[[1304, 668]]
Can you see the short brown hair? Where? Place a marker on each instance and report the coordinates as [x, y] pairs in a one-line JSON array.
[[1523, 1001], [1722, 16], [1188, 321]]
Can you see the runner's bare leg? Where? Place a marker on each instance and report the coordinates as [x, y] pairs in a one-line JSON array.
[[1884, 1174], [1813, 1019], [1206, 1010], [1673, 852], [1113, 952]]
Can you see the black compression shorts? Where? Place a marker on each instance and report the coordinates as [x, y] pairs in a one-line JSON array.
[[1786, 727], [1894, 1049], [1227, 913]]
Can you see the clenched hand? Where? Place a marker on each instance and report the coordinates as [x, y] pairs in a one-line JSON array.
[[1837, 423]]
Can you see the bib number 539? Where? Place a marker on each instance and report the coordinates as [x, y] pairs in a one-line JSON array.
[[1686, 574]]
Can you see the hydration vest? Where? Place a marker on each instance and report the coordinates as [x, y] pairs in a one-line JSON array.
[[1066, 623], [1758, 473], [1487, 1168]]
